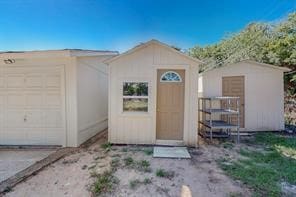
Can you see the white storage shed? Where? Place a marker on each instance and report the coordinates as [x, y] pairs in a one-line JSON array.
[[57, 97], [153, 96], [260, 88]]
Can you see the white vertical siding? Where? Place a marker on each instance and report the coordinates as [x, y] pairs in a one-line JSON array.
[[142, 65], [92, 96], [264, 93], [71, 102]]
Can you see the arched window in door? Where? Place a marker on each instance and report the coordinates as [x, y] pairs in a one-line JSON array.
[[170, 76]]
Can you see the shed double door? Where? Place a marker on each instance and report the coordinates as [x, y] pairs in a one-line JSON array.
[[235, 86]]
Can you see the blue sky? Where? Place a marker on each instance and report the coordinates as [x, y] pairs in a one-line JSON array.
[[121, 24]]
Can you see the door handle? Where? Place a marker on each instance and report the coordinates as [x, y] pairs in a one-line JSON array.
[[25, 118]]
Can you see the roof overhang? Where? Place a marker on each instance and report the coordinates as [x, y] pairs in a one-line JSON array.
[[284, 69], [54, 53]]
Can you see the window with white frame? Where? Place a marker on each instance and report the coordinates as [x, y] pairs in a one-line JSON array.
[[135, 96]]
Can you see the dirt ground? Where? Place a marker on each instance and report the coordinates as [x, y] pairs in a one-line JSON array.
[[71, 176]]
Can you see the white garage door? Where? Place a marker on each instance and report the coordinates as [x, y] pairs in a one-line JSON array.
[[32, 105]]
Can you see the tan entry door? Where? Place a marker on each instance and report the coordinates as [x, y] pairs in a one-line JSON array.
[[235, 86], [170, 104]]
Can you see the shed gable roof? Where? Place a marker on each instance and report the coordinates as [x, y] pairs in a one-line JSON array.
[[140, 46], [284, 69]]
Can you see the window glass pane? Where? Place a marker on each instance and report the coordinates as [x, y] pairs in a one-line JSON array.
[[135, 89], [170, 76], [135, 104]]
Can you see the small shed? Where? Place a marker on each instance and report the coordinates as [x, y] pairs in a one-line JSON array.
[[153, 96], [53, 97], [260, 88]]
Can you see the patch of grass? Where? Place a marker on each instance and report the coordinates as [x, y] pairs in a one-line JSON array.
[[143, 165], [165, 174], [116, 155], [147, 181], [93, 174], [264, 170], [136, 148], [160, 172], [106, 146], [228, 145], [235, 194], [274, 139], [163, 191], [104, 183], [128, 161], [136, 183], [148, 151], [115, 163]]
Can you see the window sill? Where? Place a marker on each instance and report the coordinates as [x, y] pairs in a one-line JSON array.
[[135, 114]]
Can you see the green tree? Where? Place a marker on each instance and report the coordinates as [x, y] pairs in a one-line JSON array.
[[273, 43]]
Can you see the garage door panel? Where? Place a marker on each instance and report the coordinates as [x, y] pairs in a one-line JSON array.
[[2, 81], [13, 136], [2, 97], [1, 119], [15, 119], [53, 99], [34, 81], [54, 136], [34, 100], [35, 136], [34, 118], [15, 100], [15, 81], [1, 112], [53, 81], [53, 119]]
